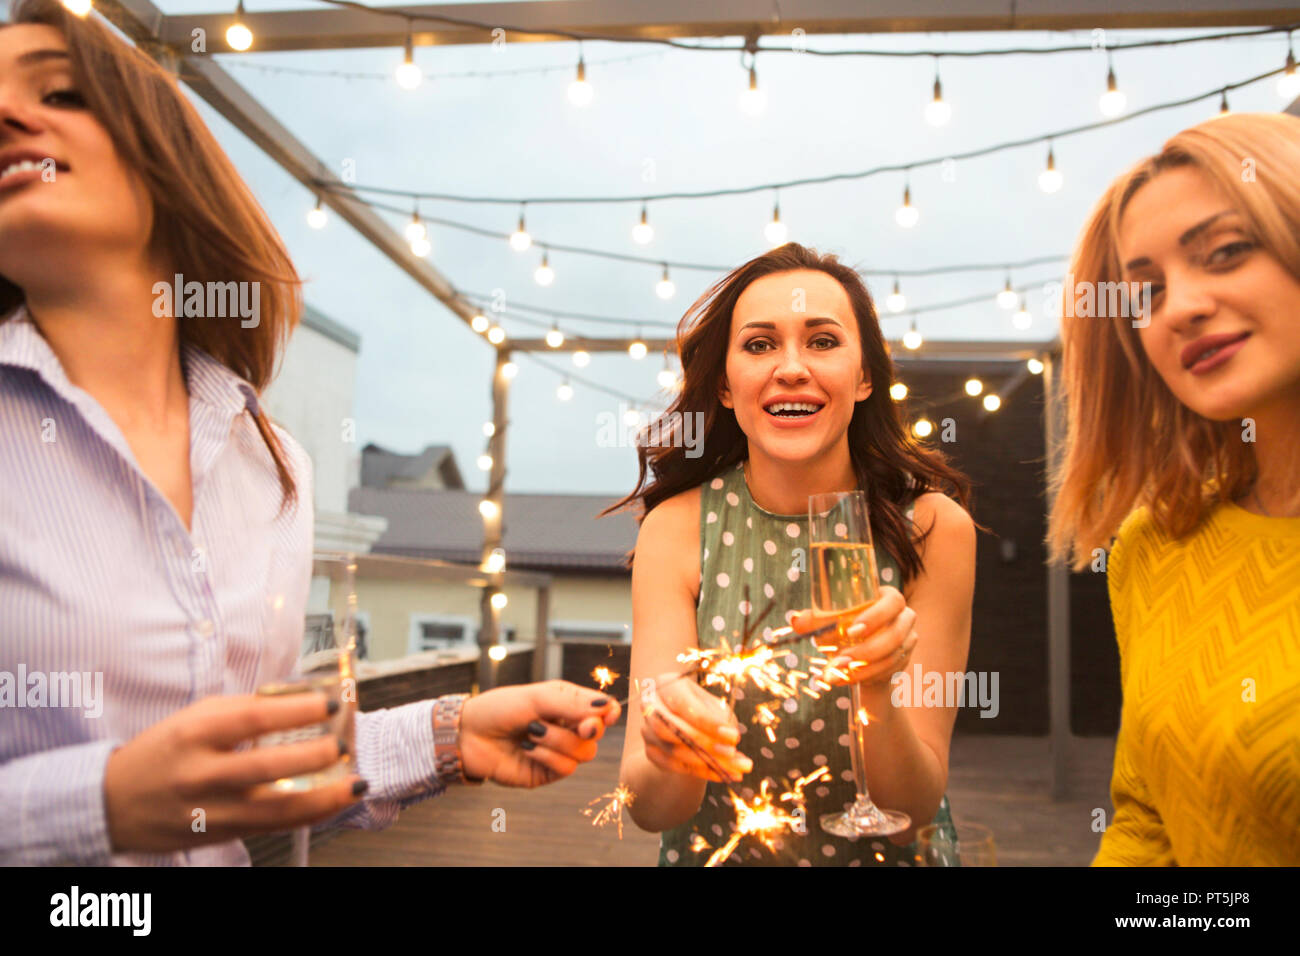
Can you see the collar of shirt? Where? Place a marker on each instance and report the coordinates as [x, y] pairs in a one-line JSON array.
[[216, 393]]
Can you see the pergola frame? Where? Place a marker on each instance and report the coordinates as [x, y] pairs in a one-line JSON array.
[[169, 40]]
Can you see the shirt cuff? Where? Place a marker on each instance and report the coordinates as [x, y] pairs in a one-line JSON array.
[[395, 756], [52, 807]]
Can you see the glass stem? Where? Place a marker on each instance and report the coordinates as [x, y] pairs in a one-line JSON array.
[[858, 745]]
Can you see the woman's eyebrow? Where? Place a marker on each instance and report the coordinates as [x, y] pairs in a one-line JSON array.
[[36, 57], [1187, 237], [808, 323]]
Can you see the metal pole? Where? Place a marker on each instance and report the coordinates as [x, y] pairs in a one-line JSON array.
[[1058, 601], [494, 518], [541, 645]]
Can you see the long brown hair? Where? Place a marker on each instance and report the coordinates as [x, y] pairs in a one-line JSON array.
[[207, 225], [1129, 441], [890, 465]]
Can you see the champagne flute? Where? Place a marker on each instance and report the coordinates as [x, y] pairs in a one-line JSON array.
[[845, 583], [962, 844]]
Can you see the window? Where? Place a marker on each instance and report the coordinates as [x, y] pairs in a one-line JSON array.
[[437, 632], [595, 632]]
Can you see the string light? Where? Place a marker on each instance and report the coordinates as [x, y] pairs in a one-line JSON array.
[[974, 386], [906, 216], [80, 8], [496, 335], [496, 562], [1035, 366], [520, 240], [922, 428], [912, 337], [554, 337], [638, 349], [1113, 101], [488, 508], [992, 402], [775, 232], [664, 288], [1022, 319], [415, 228], [632, 416], [408, 73], [1008, 298], [1050, 179], [421, 247], [485, 462], [753, 101], [898, 391], [497, 652], [479, 323], [666, 378], [565, 391], [509, 370], [316, 217], [896, 302], [238, 35], [581, 359], [499, 600], [643, 232], [580, 91], [1288, 84], [544, 274], [1223, 104], [937, 112], [489, 429]]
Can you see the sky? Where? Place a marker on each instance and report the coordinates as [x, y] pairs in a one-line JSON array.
[[424, 378]]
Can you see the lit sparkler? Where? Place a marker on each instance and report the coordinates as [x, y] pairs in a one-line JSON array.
[[603, 676], [612, 811], [764, 819]]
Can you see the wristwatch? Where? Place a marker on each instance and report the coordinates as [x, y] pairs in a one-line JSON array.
[[446, 740]]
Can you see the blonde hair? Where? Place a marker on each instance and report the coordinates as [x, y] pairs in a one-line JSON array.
[[1129, 441]]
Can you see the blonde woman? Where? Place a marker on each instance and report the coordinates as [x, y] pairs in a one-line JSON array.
[[1184, 437], [131, 440]]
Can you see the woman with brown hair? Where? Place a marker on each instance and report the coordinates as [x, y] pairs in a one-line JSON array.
[[1184, 439], [155, 526], [784, 360]]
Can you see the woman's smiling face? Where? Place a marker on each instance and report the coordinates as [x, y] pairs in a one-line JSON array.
[[794, 365], [1222, 329]]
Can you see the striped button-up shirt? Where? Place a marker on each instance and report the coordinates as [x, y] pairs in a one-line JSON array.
[[114, 616]]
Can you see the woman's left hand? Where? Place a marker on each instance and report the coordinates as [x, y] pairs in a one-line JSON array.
[[884, 636]]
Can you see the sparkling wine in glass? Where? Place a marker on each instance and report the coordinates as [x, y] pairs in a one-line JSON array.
[[844, 583]]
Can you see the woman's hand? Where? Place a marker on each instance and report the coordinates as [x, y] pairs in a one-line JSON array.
[[884, 635], [532, 734], [156, 784], [676, 707]]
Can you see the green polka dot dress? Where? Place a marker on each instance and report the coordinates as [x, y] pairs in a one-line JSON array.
[[743, 544]]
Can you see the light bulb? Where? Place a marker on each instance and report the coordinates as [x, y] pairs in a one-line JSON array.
[[665, 288], [581, 359], [421, 247], [239, 36], [1007, 298], [1112, 102], [415, 229], [520, 239], [509, 370], [1288, 84], [1050, 179], [753, 101], [632, 417], [485, 462], [1224, 110], [544, 274], [898, 391], [992, 402], [922, 428], [497, 651], [906, 216], [496, 335], [1035, 367], [1022, 319], [775, 231], [937, 112], [488, 508], [896, 302], [409, 75], [580, 91], [565, 391], [496, 561], [638, 350], [78, 8], [912, 338], [499, 601], [666, 378], [316, 218], [489, 429], [974, 386], [643, 232], [554, 337], [479, 323]]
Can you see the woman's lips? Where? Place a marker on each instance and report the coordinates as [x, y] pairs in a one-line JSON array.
[[792, 421], [1211, 362]]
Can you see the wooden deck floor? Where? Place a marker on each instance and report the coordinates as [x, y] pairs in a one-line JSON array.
[[1000, 782]]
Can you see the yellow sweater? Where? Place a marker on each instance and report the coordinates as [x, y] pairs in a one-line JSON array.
[[1207, 765]]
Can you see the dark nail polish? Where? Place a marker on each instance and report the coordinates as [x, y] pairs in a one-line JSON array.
[[600, 702], [527, 745], [343, 747], [537, 728], [359, 788], [332, 707], [589, 733]]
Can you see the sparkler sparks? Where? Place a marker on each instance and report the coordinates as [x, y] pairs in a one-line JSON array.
[[612, 812], [763, 818], [603, 676]]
